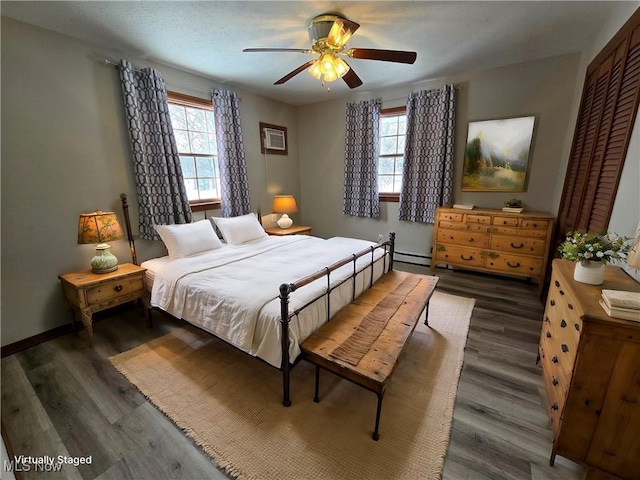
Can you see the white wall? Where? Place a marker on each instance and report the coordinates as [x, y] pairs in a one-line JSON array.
[[65, 150], [542, 88]]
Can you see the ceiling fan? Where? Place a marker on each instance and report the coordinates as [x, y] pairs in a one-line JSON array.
[[329, 34]]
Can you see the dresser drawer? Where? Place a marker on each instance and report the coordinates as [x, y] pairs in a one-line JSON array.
[[528, 232], [483, 219], [452, 225], [535, 224], [451, 217], [460, 255], [506, 221], [556, 394], [114, 289], [464, 237], [518, 244], [516, 264]]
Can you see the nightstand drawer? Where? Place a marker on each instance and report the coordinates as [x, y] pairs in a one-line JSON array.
[[113, 289]]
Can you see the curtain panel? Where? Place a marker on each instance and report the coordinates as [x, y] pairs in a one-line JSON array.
[[427, 176], [234, 180], [361, 159], [162, 196]]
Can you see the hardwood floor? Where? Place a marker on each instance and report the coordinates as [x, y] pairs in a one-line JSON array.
[[62, 398]]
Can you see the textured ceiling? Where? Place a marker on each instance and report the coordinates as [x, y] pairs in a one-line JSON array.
[[208, 37]]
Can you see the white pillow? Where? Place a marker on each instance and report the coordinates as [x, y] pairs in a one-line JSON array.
[[188, 238], [238, 230]]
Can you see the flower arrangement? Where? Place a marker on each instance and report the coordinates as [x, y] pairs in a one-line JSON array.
[[513, 203], [598, 247]]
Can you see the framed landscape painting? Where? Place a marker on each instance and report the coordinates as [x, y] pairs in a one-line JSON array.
[[497, 154]]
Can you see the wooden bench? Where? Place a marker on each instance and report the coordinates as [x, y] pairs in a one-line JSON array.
[[349, 346]]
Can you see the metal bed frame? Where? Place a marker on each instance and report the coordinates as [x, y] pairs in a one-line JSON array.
[[287, 288]]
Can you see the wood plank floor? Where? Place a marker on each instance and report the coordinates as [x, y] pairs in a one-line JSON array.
[[62, 398]]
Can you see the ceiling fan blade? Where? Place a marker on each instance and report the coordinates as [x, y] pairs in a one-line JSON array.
[[290, 75], [299, 50], [397, 56], [351, 79], [341, 31]]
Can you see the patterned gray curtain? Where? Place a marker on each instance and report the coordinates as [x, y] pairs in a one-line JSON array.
[[427, 177], [361, 159], [233, 165], [162, 196]]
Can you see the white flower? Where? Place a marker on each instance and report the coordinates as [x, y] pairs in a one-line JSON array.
[[588, 255], [599, 254]]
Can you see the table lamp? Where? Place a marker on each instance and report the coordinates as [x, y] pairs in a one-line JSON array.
[[284, 204], [99, 227]]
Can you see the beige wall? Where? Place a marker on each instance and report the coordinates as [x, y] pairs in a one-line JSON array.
[[542, 88], [65, 150]]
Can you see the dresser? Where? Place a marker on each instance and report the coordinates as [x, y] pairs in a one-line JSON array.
[[493, 241], [591, 370]]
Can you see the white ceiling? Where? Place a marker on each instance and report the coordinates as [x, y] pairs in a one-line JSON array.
[[207, 38]]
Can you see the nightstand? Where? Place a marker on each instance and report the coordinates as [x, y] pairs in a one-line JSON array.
[[87, 293], [295, 230]]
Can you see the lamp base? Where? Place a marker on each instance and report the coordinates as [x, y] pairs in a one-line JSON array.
[[285, 221], [104, 261]]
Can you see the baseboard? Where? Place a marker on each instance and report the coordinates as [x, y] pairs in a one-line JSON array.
[[56, 332]]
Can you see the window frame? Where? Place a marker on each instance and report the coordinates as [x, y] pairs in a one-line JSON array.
[[206, 104], [390, 112]]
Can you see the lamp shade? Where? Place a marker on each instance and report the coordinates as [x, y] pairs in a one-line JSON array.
[[99, 227], [284, 204]]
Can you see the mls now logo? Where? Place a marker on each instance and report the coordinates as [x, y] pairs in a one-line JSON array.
[[19, 465]]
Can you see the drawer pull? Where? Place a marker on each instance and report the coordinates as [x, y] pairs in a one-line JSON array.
[[518, 246], [548, 334], [554, 359], [552, 303], [513, 266], [565, 348], [118, 288], [554, 382], [563, 323], [554, 406], [467, 259]]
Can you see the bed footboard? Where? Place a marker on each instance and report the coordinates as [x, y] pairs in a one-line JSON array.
[[287, 288]]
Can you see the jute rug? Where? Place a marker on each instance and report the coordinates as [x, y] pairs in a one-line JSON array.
[[230, 404]]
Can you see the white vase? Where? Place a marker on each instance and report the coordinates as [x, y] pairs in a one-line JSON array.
[[589, 272]]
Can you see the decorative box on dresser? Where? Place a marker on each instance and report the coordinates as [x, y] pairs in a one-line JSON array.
[[591, 369], [493, 241]]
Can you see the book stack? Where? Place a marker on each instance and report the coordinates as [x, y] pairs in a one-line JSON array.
[[621, 304], [463, 206]]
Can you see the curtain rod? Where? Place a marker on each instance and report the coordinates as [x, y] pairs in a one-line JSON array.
[[117, 65]]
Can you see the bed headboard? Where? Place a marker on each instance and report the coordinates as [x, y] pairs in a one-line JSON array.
[[127, 221]]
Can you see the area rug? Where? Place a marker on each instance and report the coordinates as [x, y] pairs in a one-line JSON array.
[[230, 404]]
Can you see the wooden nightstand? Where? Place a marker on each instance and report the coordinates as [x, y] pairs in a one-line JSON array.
[[87, 292], [295, 230]]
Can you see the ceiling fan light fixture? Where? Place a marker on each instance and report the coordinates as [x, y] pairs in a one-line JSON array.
[[316, 69]]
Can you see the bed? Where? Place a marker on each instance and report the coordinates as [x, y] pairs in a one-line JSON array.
[[262, 294]]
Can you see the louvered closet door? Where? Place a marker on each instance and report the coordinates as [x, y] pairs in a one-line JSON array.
[[603, 128]]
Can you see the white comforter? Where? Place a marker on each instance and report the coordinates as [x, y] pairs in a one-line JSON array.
[[232, 291]]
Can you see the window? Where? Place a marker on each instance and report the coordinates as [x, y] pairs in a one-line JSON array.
[[393, 127], [195, 132]]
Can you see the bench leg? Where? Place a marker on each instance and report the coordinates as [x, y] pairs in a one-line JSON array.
[[316, 398], [426, 315], [375, 435]]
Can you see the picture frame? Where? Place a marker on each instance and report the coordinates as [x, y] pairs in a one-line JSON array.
[[273, 139], [496, 156]]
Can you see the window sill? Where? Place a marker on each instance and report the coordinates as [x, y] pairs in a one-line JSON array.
[[389, 197], [204, 206]]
